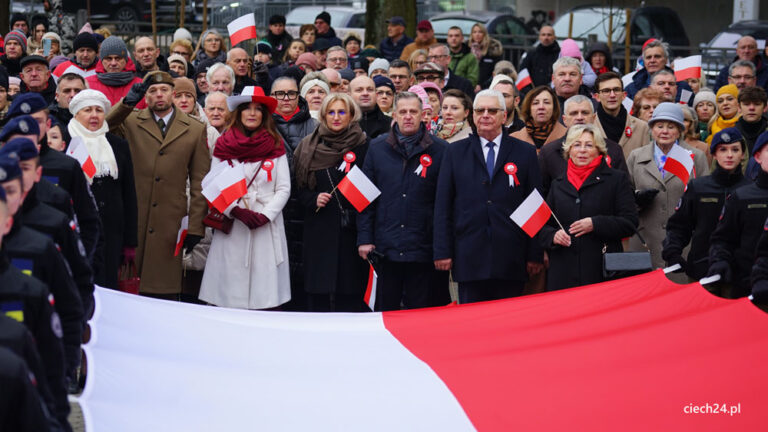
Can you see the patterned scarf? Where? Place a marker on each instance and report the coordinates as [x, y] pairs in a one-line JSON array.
[[539, 133]]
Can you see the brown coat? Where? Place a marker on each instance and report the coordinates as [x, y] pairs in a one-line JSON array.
[[644, 174], [161, 168], [640, 135], [416, 45], [557, 132]]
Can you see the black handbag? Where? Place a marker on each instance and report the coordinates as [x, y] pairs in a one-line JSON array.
[[617, 265]]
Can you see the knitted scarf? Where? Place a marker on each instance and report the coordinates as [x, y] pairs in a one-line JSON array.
[[98, 148], [234, 144], [324, 149], [720, 124], [539, 133]]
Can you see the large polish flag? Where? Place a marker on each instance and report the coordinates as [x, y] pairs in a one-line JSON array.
[[632, 355], [680, 163], [358, 189], [523, 79], [78, 151], [532, 214], [242, 29], [688, 67]]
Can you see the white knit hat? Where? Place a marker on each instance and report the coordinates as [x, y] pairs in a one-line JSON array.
[[704, 96], [379, 63], [89, 97], [311, 83]]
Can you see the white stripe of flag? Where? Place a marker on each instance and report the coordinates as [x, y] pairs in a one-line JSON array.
[[688, 67], [78, 151], [242, 29], [523, 79], [680, 163], [358, 189]]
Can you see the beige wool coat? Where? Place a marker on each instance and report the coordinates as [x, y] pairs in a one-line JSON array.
[[639, 135], [644, 174], [162, 166]]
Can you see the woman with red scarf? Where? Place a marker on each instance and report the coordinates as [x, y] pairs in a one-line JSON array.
[[596, 206], [248, 267]]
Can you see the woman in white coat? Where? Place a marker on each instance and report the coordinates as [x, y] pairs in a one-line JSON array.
[[248, 268]]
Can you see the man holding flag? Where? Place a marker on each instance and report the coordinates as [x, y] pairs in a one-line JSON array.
[[168, 149], [483, 179], [404, 163]]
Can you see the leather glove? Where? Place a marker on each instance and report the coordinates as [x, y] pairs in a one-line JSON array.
[[190, 242], [251, 219], [644, 198], [135, 94], [760, 292], [129, 254], [261, 73], [677, 259], [722, 268]]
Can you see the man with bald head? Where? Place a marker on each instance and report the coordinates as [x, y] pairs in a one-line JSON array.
[[539, 60], [746, 49], [373, 121], [147, 57], [238, 60], [334, 79]]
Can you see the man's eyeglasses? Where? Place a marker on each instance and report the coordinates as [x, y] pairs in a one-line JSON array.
[[435, 57], [290, 95], [181, 53], [742, 77], [337, 60], [422, 78], [491, 111], [607, 91]]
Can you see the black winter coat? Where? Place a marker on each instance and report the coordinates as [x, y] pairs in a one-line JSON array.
[[553, 164], [606, 196], [735, 238], [375, 123], [399, 222], [331, 261], [116, 200], [539, 63], [696, 217], [472, 211]]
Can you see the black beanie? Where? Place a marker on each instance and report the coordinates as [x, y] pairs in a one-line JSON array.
[[18, 17], [85, 40], [325, 16], [277, 19]]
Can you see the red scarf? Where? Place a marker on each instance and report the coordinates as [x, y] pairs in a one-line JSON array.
[[602, 70], [578, 174], [289, 116], [233, 144]]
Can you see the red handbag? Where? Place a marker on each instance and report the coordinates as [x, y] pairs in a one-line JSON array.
[[128, 278]]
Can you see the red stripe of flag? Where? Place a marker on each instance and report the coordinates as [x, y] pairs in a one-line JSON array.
[[89, 168], [675, 167], [235, 191], [370, 289], [353, 194], [537, 220], [243, 35]]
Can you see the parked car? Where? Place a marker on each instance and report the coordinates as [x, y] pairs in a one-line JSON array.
[[343, 19], [721, 50], [508, 29], [645, 23]]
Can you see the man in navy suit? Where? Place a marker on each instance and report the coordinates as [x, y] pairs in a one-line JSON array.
[[483, 179]]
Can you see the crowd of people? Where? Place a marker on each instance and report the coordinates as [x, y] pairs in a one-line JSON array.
[[445, 131]]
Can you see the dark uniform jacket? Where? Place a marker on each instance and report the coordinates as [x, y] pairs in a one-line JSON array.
[[63, 231], [472, 211], [20, 406], [65, 172], [55, 197], [19, 340], [375, 123], [392, 50], [760, 269], [606, 196], [27, 300], [696, 217], [399, 222], [553, 164], [36, 255], [331, 262], [738, 230]]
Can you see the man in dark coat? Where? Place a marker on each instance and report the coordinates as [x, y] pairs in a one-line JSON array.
[[373, 122], [36, 77], [491, 257], [404, 164], [324, 29], [392, 46], [577, 111], [278, 38], [539, 60], [746, 49]]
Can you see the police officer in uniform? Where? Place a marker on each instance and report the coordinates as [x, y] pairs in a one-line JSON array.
[[732, 250], [697, 213], [760, 271], [36, 255], [27, 300], [20, 407], [61, 169]]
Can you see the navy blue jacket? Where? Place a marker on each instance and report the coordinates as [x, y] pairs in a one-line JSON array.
[[399, 222], [472, 212], [761, 69], [642, 80], [390, 50]]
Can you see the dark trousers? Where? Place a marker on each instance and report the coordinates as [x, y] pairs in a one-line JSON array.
[[410, 285], [335, 302], [488, 289]]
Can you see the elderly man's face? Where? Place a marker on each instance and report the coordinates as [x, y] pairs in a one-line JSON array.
[[742, 77], [408, 115], [238, 60], [746, 48], [113, 63], [336, 60], [667, 85], [489, 116], [216, 111], [146, 52], [35, 76], [579, 114], [221, 81], [567, 80], [440, 56], [654, 58]]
